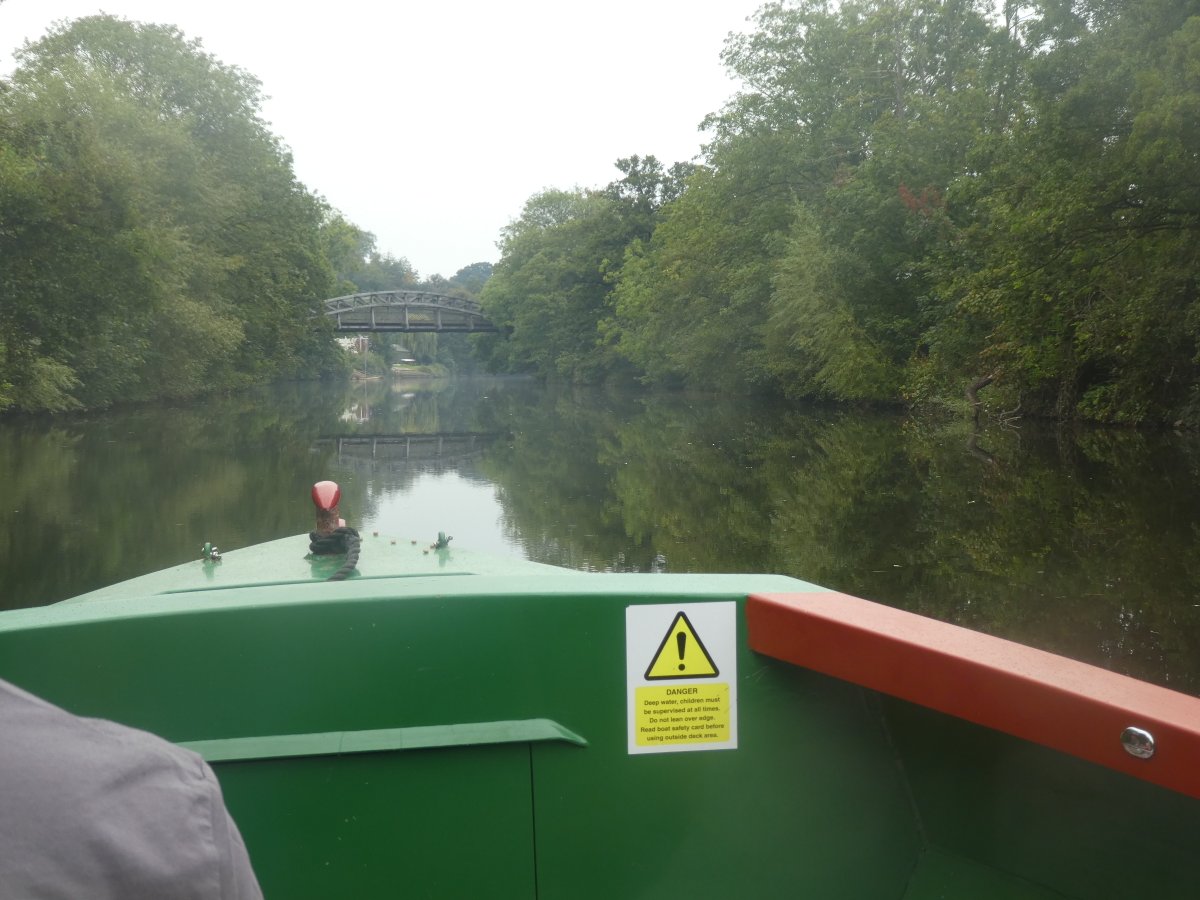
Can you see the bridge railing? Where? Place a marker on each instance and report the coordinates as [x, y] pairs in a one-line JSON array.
[[400, 298], [466, 314]]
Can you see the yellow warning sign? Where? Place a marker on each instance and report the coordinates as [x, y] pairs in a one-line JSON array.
[[688, 714], [681, 685], [681, 654]]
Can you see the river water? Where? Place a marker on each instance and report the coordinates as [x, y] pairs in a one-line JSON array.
[[1082, 542]]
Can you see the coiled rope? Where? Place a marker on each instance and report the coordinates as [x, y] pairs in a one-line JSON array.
[[342, 539]]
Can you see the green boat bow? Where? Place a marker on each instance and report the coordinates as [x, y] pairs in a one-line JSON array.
[[446, 724]]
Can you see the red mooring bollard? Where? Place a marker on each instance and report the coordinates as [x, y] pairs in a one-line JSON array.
[[325, 496]]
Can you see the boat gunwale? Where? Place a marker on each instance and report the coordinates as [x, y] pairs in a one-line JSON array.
[[1067, 705]]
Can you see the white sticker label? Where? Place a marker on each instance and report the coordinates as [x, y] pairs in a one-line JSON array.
[[681, 677]]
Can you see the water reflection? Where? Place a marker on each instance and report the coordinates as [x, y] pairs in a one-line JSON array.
[[91, 500], [1085, 543]]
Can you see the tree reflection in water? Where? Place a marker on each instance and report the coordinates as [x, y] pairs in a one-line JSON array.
[[1082, 542]]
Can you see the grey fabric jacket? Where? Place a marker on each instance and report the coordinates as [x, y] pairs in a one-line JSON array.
[[91, 809]]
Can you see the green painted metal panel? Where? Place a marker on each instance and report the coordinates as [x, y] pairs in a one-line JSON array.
[[781, 808], [811, 804], [1071, 826], [942, 876], [421, 824], [388, 737]]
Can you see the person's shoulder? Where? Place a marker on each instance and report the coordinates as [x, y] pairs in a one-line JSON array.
[[111, 810], [54, 736]]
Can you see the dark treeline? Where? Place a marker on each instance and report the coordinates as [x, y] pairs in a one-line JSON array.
[[154, 240], [909, 201]]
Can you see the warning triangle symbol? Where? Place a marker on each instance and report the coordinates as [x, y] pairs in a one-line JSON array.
[[681, 654]]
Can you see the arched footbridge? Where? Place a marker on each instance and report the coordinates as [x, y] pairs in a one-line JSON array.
[[406, 311]]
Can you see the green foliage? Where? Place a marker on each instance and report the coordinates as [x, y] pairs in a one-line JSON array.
[[552, 289], [816, 345], [865, 113], [348, 249], [472, 278], [1073, 272], [384, 272], [155, 241], [690, 303], [905, 199]]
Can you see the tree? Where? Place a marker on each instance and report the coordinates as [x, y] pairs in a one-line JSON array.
[[645, 189], [796, 258], [472, 278], [553, 287], [548, 288], [385, 272], [348, 249], [156, 241], [1072, 274], [859, 117], [690, 302], [816, 344]]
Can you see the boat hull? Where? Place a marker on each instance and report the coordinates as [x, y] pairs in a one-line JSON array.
[[445, 733]]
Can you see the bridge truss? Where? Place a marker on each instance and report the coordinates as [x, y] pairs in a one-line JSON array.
[[406, 311]]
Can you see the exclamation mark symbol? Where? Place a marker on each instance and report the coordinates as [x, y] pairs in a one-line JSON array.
[[681, 643]]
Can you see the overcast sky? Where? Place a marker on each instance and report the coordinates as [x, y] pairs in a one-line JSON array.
[[430, 123]]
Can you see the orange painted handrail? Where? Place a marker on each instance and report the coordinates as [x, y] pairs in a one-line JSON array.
[[1070, 706]]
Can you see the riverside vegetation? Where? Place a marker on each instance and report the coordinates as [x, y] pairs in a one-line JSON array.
[[907, 201], [946, 203], [154, 240]]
